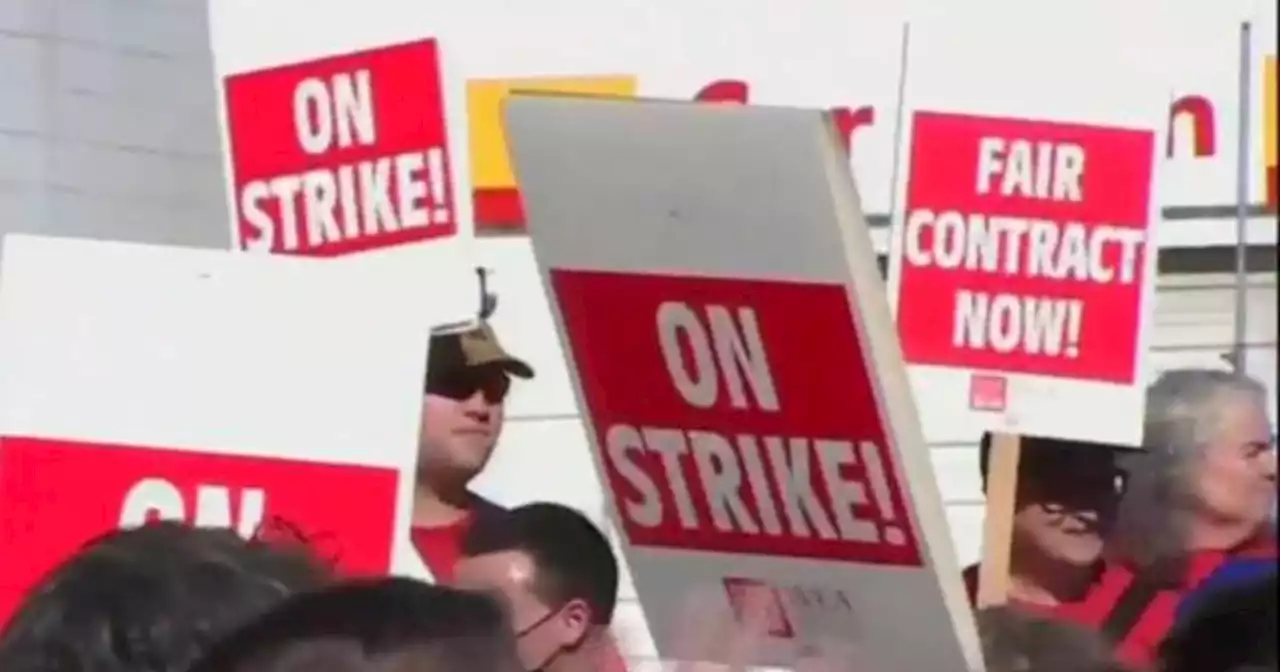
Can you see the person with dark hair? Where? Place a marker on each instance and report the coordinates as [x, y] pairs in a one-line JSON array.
[[375, 625], [1015, 640], [150, 599], [468, 377], [1232, 629], [558, 573], [1064, 506]]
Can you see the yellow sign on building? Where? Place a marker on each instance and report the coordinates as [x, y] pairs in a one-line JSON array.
[[1270, 134], [495, 196]]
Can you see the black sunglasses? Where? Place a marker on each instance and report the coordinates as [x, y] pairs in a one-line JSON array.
[[464, 383]]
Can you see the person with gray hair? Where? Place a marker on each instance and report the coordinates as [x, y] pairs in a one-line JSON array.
[[1207, 478], [1197, 497]]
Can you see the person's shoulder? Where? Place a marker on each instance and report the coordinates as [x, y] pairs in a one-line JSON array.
[[1264, 548], [482, 507], [1232, 573], [1228, 626], [1218, 565], [1239, 570]]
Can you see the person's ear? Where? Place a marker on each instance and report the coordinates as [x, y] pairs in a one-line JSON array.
[[574, 622]]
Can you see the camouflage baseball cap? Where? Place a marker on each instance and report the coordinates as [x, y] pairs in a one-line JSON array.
[[472, 344]]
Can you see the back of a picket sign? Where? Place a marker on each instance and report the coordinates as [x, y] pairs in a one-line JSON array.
[[744, 393], [221, 389]]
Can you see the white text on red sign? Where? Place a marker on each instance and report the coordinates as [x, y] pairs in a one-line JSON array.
[[352, 200], [213, 506], [1024, 247], [754, 485]]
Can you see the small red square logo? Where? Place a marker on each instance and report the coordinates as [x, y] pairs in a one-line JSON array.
[[989, 393], [746, 596]]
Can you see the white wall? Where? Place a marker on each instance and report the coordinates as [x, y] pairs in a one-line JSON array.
[[107, 121]]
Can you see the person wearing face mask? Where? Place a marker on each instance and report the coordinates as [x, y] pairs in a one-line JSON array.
[[1064, 506], [559, 577], [469, 374]]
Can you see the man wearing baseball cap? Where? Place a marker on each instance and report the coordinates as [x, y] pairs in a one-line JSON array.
[[468, 377]]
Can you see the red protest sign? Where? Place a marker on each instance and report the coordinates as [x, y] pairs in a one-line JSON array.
[[736, 416], [342, 154], [1024, 246], [56, 495]]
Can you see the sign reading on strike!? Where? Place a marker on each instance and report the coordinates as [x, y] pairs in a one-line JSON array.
[[1025, 246], [58, 494], [743, 440], [223, 389], [342, 154], [749, 411]]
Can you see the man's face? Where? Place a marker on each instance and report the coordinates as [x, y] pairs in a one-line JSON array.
[[461, 419], [1066, 511], [543, 631], [1235, 480]]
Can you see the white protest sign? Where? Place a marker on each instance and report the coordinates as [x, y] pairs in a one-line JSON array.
[[222, 389], [717, 294], [1024, 257]]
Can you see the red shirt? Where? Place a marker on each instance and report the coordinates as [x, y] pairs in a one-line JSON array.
[[440, 547], [1155, 618], [1063, 610], [1141, 643]]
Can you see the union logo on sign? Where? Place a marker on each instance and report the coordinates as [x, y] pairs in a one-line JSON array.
[[988, 393], [750, 598]]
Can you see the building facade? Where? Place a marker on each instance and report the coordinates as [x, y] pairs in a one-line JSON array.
[[108, 122]]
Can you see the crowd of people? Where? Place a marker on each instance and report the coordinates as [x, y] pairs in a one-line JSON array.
[[1159, 558]]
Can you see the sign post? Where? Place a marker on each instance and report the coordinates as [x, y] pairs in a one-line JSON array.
[[749, 413]]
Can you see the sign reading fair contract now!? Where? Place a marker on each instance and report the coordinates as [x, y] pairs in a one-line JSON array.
[[748, 407], [1023, 262]]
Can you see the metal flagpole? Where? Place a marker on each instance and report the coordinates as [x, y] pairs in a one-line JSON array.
[[900, 122], [1242, 196]]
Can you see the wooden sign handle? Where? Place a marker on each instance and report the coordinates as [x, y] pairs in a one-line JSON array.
[[997, 530]]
